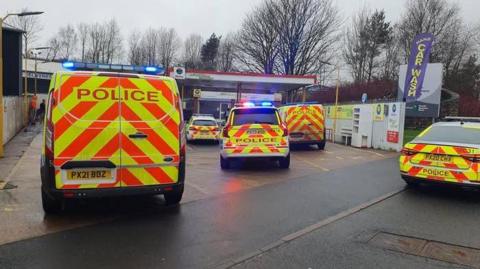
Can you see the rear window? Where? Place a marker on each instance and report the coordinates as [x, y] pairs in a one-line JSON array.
[[252, 116], [452, 134], [204, 123]]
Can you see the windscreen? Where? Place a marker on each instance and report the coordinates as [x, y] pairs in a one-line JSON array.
[[453, 134], [204, 123], [255, 116]]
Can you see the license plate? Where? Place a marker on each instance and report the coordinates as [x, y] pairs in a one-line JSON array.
[[296, 135], [438, 158], [85, 174], [204, 132], [255, 131]]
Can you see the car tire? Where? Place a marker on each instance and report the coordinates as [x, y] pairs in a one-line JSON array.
[[321, 145], [410, 182], [224, 163], [50, 204], [284, 163], [174, 197]]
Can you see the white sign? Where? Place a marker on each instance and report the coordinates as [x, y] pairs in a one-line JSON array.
[[178, 73], [393, 123], [245, 96]]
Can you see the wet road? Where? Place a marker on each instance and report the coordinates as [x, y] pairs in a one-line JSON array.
[[208, 232], [340, 208]]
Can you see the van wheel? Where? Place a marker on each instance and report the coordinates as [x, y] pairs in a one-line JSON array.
[[174, 197], [285, 162], [224, 163], [321, 145], [51, 205]]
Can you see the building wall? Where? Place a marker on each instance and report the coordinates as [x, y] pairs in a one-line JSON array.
[[12, 117]]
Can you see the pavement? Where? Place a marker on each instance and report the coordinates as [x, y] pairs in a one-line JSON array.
[[339, 208]]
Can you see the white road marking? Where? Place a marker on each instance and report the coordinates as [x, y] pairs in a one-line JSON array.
[[312, 164]]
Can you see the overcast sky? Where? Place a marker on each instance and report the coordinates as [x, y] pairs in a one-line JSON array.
[[186, 16]]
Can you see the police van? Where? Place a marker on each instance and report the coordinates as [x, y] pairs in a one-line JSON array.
[[109, 134], [254, 131], [305, 123]]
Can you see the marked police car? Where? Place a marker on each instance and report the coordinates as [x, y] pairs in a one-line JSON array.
[[203, 127], [254, 131], [446, 152]]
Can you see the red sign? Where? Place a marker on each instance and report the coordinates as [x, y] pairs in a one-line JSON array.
[[392, 136]]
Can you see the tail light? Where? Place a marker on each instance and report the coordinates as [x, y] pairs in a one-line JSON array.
[[192, 128], [216, 129], [49, 140], [472, 157], [225, 131], [183, 144], [285, 130], [408, 152]]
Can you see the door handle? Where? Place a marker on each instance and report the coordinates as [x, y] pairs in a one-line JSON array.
[[138, 135]]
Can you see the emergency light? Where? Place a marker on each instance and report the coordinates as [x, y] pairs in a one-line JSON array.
[[154, 70], [248, 104], [267, 104]]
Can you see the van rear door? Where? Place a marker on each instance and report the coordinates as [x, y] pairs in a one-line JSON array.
[[86, 133], [149, 138], [305, 122]]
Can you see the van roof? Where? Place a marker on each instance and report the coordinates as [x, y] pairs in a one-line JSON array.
[[113, 74]]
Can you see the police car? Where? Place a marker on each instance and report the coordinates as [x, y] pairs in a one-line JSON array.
[[110, 134], [254, 131], [446, 152], [202, 127]]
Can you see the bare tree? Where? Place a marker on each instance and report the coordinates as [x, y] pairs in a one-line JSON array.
[[169, 44], [104, 42], [257, 42], [192, 48], [365, 41], [149, 46], [135, 53], [444, 21], [355, 49], [83, 30], [307, 32], [226, 53], [31, 25]]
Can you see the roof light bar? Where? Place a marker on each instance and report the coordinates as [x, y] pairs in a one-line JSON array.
[[155, 70], [248, 104], [267, 104]]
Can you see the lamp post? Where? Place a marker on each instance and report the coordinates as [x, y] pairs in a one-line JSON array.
[[32, 51], [2, 108], [337, 88]]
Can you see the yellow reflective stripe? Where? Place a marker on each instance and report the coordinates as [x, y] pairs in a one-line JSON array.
[[424, 131], [79, 126]]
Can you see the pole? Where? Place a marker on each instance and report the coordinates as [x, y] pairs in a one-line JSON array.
[[35, 90], [1, 88], [25, 84], [336, 104]]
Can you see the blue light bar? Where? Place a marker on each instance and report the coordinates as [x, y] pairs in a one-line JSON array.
[[151, 69], [248, 104], [267, 104], [68, 65], [155, 70]]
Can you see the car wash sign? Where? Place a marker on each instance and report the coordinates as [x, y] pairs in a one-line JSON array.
[[417, 66]]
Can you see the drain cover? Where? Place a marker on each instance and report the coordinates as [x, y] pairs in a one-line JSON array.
[[456, 254]]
